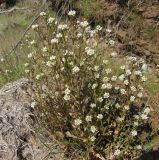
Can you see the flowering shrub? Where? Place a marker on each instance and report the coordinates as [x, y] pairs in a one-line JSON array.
[[96, 113]]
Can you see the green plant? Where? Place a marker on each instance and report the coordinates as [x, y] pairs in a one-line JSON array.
[[94, 112]]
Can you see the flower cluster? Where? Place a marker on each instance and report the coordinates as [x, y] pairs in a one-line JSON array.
[[80, 96]]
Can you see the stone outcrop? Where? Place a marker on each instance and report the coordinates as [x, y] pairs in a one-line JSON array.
[[20, 137]]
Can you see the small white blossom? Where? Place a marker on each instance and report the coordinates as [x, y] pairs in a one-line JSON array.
[[52, 58], [126, 82], [140, 94], [100, 99], [67, 91], [89, 51], [66, 97], [128, 72], [42, 14], [44, 49], [54, 40], [59, 35], [93, 105], [78, 122], [33, 104], [100, 116], [35, 26], [84, 24], [72, 13], [132, 98], [123, 91], [32, 42], [51, 20], [75, 69], [92, 138], [114, 54], [112, 42], [93, 129], [121, 77], [94, 85], [134, 133], [117, 152], [98, 28], [106, 95], [88, 118]]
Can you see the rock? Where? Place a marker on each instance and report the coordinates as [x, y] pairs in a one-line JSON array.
[[19, 139]]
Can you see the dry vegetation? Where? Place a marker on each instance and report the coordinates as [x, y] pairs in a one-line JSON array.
[[65, 60]]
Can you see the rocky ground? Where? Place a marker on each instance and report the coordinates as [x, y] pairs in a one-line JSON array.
[[19, 139]]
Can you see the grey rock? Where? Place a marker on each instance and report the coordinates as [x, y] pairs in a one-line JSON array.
[[19, 139]]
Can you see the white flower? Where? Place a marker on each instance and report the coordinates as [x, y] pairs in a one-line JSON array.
[[78, 122], [106, 95], [128, 72], [123, 91], [66, 97], [100, 116], [42, 14], [133, 88], [67, 91], [123, 67], [143, 79], [79, 34], [30, 55], [93, 129], [44, 49], [147, 110], [117, 87], [111, 42], [88, 118], [59, 35], [38, 76], [51, 20], [117, 105], [105, 61], [138, 73], [108, 70], [35, 26], [96, 75], [33, 104], [2, 59], [96, 68], [100, 99], [104, 86], [136, 123], [75, 69], [72, 13], [54, 40], [108, 30], [27, 71], [49, 63], [132, 98], [62, 26], [93, 105], [114, 54], [139, 147], [84, 24], [134, 133], [89, 51], [117, 152], [114, 78], [32, 42], [126, 82], [26, 64], [52, 58], [126, 107], [144, 116], [94, 85], [108, 86], [121, 77], [140, 94], [92, 138], [98, 28]]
